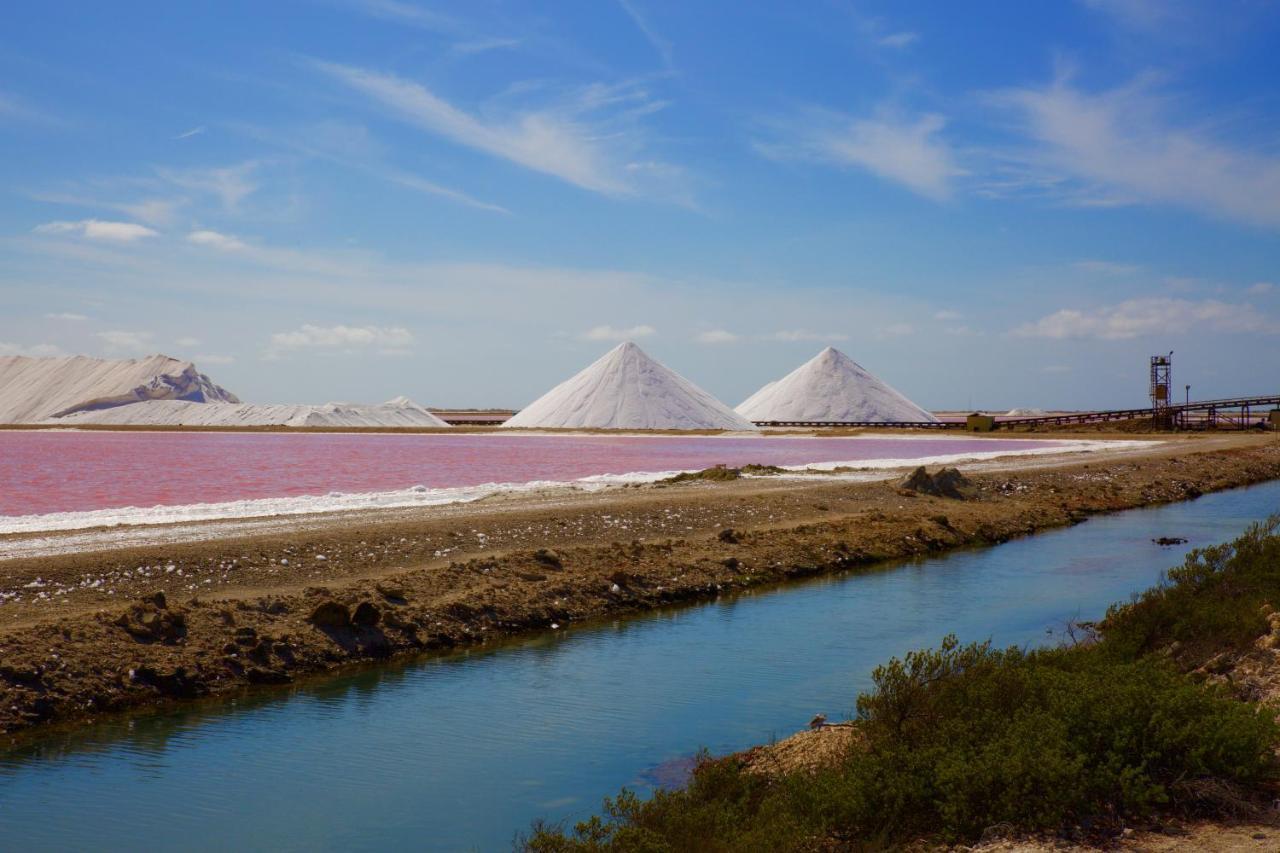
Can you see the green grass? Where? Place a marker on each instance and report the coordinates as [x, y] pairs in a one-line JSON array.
[[961, 738]]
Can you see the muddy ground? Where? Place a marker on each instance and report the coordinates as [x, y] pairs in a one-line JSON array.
[[195, 615]]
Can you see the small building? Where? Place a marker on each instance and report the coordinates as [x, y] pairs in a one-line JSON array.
[[979, 423]]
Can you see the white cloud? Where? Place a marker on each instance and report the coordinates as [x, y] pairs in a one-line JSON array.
[[562, 141], [611, 333], [212, 358], [121, 341], [792, 335], [716, 336], [1261, 288], [213, 239], [908, 151], [947, 316], [388, 340], [66, 315], [187, 342], [896, 330], [1121, 146], [31, 351], [1149, 316], [195, 131], [98, 229], [902, 39]]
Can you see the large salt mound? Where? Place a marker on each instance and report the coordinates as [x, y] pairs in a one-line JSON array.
[[626, 389], [34, 389], [400, 412], [831, 387]]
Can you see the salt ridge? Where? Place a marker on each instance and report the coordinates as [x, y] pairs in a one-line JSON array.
[[35, 389], [831, 387], [626, 389]]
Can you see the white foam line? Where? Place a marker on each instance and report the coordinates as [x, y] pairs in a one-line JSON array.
[[421, 496]]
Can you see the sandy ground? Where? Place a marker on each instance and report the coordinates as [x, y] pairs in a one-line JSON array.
[[189, 611]]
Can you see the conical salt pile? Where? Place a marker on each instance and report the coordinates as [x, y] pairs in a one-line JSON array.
[[626, 389], [831, 387]]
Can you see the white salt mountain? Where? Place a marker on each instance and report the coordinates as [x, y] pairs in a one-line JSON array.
[[400, 412], [35, 389], [626, 389], [831, 387]]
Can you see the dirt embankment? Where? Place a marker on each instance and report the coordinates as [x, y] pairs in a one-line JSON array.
[[92, 633]]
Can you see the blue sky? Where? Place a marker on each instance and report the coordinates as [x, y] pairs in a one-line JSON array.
[[987, 204]]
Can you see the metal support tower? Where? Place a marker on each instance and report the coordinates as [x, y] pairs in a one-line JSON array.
[[1161, 384]]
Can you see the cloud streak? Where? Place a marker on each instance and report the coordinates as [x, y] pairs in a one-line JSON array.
[[562, 142], [1136, 318], [903, 150], [98, 229], [613, 333], [1119, 146]]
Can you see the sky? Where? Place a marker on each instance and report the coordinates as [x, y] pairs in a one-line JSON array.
[[986, 204]]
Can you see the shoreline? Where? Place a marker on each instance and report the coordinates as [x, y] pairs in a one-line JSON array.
[[16, 527], [304, 600]]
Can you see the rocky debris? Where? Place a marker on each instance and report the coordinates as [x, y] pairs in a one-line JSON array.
[[946, 483], [366, 615], [728, 536], [150, 620], [330, 614], [547, 558]]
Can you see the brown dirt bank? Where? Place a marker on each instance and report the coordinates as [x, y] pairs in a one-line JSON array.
[[85, 634]]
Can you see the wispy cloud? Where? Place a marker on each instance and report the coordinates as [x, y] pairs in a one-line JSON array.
[[1099, 267], [118, 340], [67, 316], [30, 350], [899, 39], [906, 150], [613, 333], [1261, 288], [98, 229], [661, 45], [1155, 315], [1120, 146], [353, 146], [716, 336], [793, 335], [947, 315], [387, 340], [187, 342], [409, 14], [213, 358], [229, 184], [588, 141], [195, 131], [217, 240]]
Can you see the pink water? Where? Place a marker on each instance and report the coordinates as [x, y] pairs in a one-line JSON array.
[[45, 471]]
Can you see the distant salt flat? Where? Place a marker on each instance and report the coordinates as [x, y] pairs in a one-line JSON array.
[[56, 480]]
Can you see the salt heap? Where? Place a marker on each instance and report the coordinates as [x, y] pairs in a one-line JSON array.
[[626, 389], [35, 389], [831, 387], [400, 412]]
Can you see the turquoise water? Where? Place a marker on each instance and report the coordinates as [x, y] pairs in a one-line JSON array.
[[463, 751]]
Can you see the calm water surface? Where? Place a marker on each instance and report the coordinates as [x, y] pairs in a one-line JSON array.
[[460, 752], [45, 471]]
